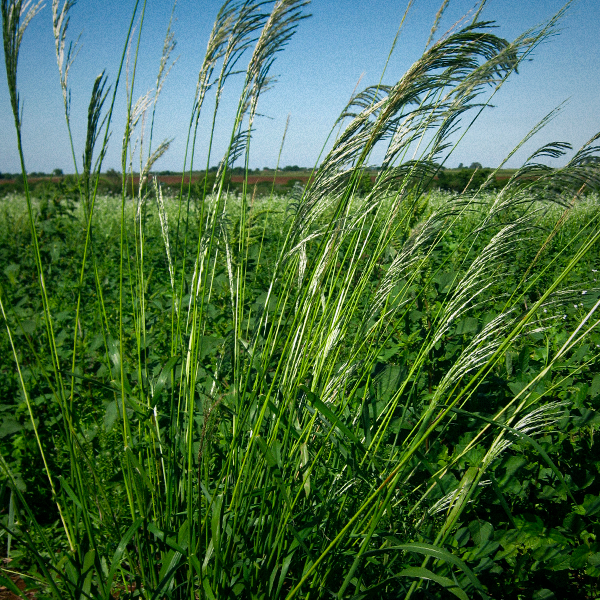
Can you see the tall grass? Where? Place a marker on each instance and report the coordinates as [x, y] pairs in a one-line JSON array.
[[267, 412]]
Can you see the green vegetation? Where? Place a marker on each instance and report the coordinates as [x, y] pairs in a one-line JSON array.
[[362, 388], [463, 180], [41, 185]]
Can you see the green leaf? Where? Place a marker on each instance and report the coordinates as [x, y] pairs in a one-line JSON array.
[[112, 412], [88, 560], [509, 362], [434, 552], [468, 325], [273, 465], [209, 345], [332, 417], [164, 374], [216, 524], [462, 537], [511, 466], [388, 380], [587, 418], [446, 583], [480, 532], [281, 414], [208, 590], [170, 565], [591, 504], [134, 463], [161, 535], [287, 561], [9, 426], [88, 563], [7, 583], [69, 491], [594, 559], [12, 272], [118, 555], [28, 326], [461, 495], [502, 500], [525, 437], [445, 281], [579, 556]]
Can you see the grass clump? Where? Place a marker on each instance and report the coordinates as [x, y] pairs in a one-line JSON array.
[[360, 390]]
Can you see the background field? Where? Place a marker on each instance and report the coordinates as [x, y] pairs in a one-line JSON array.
[[522, 532]]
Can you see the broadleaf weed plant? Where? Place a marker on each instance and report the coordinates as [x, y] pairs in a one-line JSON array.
[[264, 404]]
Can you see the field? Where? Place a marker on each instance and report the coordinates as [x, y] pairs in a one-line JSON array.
[[357, 387]]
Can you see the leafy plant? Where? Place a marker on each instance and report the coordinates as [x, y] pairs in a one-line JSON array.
[[358, 390]]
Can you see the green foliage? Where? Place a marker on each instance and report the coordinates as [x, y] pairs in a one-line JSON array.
[[466, 179], [365, 184], [361, 389]]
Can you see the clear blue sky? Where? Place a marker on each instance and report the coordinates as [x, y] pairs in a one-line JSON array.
[[317, 73]]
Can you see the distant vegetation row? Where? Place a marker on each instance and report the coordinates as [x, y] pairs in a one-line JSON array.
[[265, 180]]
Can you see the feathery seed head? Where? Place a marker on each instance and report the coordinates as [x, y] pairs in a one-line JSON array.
[[16, 16]]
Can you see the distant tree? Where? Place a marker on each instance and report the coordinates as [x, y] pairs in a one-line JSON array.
[[475, 165], [458, 181], [112, 173], [57, 173], [365, 184], [460, 165]]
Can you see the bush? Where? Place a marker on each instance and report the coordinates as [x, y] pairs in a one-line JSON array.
[[466, 179]]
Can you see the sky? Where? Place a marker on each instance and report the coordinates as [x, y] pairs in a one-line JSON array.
[[342, 44]]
